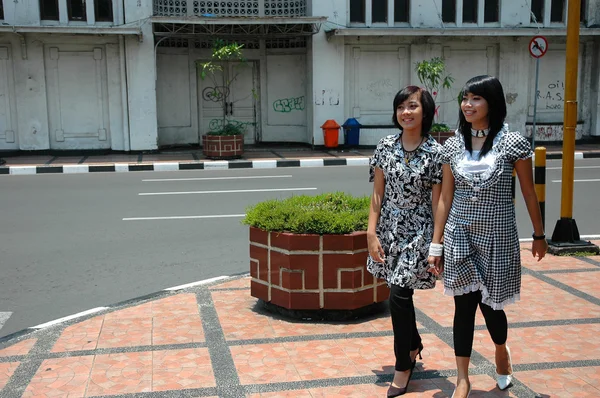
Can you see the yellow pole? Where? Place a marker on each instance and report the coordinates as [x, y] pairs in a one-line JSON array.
[[570, 113]]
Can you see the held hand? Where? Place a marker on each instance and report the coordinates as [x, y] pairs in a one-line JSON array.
[[539, 248], [375, 249], [436, 265]]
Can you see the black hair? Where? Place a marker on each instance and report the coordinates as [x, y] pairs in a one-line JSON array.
[[427, 103], [490, 89]]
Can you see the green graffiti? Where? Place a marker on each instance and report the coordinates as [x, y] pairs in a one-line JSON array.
[[217, 124], [287, 105]]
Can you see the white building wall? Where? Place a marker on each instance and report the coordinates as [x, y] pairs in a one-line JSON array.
[[327, 70]]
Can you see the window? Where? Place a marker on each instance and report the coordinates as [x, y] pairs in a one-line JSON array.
[[1, 9], [537, 9], [357, 11], [490, 13], [49, 10], [448, 10], [76, 10], [400, 10], [557, 11], [582, 12], [103, 10], [379, 10], [470, 11]]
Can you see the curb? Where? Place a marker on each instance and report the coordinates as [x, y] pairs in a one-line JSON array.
[[84, 315], [177, 166]]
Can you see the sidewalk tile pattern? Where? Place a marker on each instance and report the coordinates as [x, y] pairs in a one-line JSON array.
[[212, 340]]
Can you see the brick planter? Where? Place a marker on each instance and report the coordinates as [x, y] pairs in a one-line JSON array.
[[313, 272], [223, 146], [442, 136]]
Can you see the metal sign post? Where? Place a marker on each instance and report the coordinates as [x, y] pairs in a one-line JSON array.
[[538, 46]]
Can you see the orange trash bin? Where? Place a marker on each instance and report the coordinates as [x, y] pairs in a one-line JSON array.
[[331, 133]]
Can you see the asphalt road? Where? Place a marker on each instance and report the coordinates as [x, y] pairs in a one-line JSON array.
[[69, 243]]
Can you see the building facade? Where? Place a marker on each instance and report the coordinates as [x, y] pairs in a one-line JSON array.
[[125, 74]]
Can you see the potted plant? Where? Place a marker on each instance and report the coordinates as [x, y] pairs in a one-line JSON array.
[[308, 253], [226, 141], [432, 75]]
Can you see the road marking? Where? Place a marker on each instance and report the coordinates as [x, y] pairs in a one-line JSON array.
[[590, 180], [68, 318], [4, 317], [182, 217], [228, 191], [576, 167], [580, 236], [215, 178], [204, 282]]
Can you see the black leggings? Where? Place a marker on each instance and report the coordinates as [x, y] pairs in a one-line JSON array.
[[406, 336], [465, 307]]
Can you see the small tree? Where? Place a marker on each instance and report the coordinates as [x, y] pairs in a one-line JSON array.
[[223, 56], [432, 75]]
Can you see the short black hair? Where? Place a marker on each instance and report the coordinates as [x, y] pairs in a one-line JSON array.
[[427, 103], [490, 89]]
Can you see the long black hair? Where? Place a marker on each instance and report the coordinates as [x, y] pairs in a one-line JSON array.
[[490, 89], [427, 103]]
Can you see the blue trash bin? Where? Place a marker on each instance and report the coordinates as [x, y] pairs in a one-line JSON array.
[[351, 132]]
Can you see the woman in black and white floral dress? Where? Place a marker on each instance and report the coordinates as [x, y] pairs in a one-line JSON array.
[[407, 176]]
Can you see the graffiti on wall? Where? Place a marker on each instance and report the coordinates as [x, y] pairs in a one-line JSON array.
[[217, 124], [287, 105], [551, 132], [382, 89], [551, 96], [327, 97], [215, 94]]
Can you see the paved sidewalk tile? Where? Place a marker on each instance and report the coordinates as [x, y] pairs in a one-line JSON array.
[[21, 348]]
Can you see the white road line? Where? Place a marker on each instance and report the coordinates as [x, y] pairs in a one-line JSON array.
[[580, 236], [576, 167], [228, 191], [590, 180], [204, 282], [183, 217], [4, 317], [215, 178], [68, 318]]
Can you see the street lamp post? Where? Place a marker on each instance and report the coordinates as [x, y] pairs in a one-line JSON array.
[[565, 237]]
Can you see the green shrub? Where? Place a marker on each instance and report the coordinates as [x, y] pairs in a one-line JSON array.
[[329, 213], [439, 127], [229, 129]]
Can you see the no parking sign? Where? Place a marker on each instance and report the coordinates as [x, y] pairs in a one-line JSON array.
[[538, 46]]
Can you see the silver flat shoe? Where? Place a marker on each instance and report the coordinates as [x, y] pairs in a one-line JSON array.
[[468, 392], [504, 381]]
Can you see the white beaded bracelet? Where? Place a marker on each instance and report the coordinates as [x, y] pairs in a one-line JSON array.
[[436, 249]]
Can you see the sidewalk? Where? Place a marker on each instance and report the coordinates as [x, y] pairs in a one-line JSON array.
[[189, 159], [214, 340]]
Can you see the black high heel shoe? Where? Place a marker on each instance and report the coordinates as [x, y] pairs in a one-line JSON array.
[[397, 391], [418, 354]]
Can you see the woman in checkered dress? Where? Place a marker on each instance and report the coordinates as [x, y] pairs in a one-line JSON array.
[[406, 175], [482, 265]]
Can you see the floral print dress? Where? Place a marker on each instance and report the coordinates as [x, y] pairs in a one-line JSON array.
[[405, 226]]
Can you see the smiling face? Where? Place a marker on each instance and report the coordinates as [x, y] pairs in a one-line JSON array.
[[410, 113], [475, 110]]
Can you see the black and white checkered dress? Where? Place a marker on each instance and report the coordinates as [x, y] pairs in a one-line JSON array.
[[481, 244], [405, 226]]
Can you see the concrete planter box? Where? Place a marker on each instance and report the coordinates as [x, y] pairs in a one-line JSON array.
[[223, 146], [313, 272], [442, 136]]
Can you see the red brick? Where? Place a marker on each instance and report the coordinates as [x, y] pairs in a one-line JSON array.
[[291, 280], [352, 279], [310, 264], [291, 242], [259, 290], [383, 292], [338, 242], [333, 262], [278, 260], [295, 300], [368, 277], [348, 300], [360, 240], [259, 236], [254, 269], [262, 255]]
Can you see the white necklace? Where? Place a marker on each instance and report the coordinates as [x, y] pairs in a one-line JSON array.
[[480, 133]]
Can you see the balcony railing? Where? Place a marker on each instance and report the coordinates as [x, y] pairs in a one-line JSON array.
[[230, 8]]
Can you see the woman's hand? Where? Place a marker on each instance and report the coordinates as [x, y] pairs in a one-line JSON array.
[[375, 249], [436, 265], [539, 247]]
